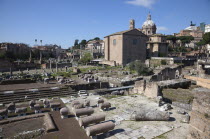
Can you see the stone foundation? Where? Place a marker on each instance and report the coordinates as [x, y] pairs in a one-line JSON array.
[[200, 117]]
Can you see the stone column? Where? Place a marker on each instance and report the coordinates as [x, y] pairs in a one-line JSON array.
[[30, 57], [10, 71], [56, 66], [50, 65], [40, 60]]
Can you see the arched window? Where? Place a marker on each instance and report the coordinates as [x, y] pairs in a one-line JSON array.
[[114, 42], [135, 41]]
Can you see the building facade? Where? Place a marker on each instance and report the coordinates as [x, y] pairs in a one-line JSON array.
[[126, 46], [207, 28], [193, 31], [96, 47], [157, 46], [17, 49]]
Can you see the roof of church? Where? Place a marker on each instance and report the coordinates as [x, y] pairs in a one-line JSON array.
[[122, 32], [148, 22]]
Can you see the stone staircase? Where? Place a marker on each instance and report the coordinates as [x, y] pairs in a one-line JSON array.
[[26, 95]]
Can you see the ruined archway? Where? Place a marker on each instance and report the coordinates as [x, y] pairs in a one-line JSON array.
[[177, 74]]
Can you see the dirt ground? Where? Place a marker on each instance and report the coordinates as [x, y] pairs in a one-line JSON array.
[[12, 129], [67, 128]]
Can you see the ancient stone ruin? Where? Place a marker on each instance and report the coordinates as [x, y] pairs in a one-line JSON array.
[[200, 117]]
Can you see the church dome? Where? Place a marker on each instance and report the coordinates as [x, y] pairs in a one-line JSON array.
[[148, 22]]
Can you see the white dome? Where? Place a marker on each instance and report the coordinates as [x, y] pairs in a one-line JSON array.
[[191, 28], [148, 23]]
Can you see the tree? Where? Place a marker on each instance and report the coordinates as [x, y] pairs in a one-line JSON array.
[[172, 38], [35, 53], [2, 55], [140, 68], [96, 38], [10, 55], [170, 49], [185, 39], [87, 57], [200, 43], [163, 62], [83, 43], [206, 38], [76, 42]]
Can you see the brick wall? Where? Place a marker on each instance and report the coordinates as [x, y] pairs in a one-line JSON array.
[[200, 117]]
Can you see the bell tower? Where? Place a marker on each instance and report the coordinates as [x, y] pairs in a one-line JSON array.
[[132, 24]]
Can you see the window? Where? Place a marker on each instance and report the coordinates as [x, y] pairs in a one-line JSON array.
[[134, 41], [114, 42]]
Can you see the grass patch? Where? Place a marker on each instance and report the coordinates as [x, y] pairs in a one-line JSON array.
[[111, 96], [206, 115], [161, 137], [179, 95]]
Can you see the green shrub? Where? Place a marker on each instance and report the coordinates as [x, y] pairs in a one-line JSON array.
[[163, 62], [87, 57], [140, 68]]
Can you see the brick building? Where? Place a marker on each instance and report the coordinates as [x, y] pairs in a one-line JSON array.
[[124, 47], [127, 46]]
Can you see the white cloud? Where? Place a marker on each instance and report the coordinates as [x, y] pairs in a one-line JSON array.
[[161, 28], [144, 3]]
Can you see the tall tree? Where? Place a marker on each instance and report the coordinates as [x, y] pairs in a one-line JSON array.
[[172, 38], [35, 41], [76, 42], [96, 38], [185, 39], [206, 38], [83, 43], [87, 57]]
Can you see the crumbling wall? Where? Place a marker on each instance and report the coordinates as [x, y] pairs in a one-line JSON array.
[[149, 89], [139, 87], [168, 73], [152, 90], [200, 117], [199, 81]]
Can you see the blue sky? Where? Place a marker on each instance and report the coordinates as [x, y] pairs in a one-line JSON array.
[[62, 21]]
